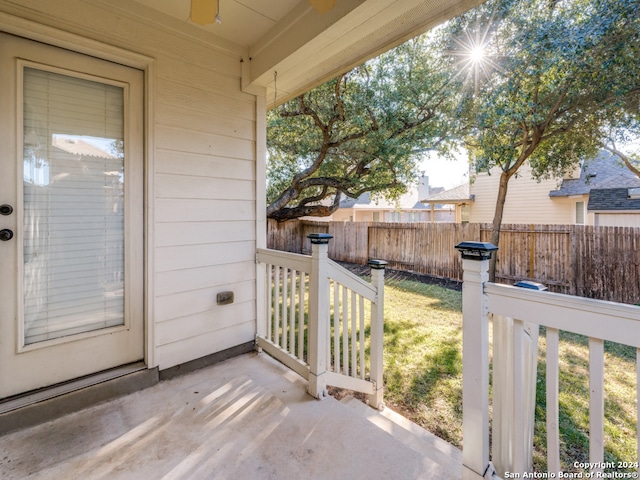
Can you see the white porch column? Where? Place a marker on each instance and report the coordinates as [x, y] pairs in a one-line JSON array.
[[377, 333], [318, 315], [475, 361], [263, 288]]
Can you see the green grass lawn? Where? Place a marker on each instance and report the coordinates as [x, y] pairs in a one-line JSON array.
[[423, 376]]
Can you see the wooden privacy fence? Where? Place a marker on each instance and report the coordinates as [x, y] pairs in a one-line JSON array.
[[588, 261]]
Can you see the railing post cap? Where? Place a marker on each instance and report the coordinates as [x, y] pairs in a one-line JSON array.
[[319, 238], [476, 250], [377, 264]]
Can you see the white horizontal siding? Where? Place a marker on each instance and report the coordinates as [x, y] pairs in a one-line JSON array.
[[181, 210], [204, 172], [191, 233], [180, 257], [196, 187], [171, 282], [173, 93], [184, 163], [184, 304], [210, 320], [168, 114], [186, 349], [203, 78], [205, 212], [183, 139]]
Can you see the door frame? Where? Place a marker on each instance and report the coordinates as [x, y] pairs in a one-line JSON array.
[[76, 43]]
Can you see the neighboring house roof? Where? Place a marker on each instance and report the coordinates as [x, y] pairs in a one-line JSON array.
[[603, 172], [408, 201], [459, 194], [76, 146], [607, 199]]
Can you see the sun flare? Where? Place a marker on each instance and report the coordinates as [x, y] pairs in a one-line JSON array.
[[477, 54]]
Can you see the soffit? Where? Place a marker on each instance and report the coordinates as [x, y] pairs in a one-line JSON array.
[[244, 22], [304, 47]]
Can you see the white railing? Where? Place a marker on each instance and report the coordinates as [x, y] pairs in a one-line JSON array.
[[524, 311], [320, 319]]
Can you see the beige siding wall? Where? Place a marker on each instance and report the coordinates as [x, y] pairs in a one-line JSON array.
[[341, 215], [527, 201], [618, 219], [203, 175]]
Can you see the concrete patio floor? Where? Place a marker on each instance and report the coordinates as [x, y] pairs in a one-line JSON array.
[[246, 418]]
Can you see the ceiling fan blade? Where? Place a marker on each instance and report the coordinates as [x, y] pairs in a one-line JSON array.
[[203, 12], [322, 6]]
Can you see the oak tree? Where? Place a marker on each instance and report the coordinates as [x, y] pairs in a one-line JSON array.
[[550, 75], [363, 131]]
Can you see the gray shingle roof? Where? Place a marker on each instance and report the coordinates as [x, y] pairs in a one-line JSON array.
[[604, 171], [612, 199], [453, 195]]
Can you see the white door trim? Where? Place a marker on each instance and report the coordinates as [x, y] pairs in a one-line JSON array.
[[59, 38]]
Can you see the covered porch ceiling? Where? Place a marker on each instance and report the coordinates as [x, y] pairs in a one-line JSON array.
[[303, 46]]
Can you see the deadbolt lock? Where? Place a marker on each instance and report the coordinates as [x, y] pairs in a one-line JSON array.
[[6, 234]]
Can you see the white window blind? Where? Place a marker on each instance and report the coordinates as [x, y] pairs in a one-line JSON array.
[[73, 205]]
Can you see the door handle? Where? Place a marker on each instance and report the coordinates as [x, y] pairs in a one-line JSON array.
[[6, 234]]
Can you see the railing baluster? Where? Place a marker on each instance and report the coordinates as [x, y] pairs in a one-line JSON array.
[[361, 312], [518, 397], [345, 332], [276, 302], [292, 313], [354, 343], [301, 322], [329, 342], [269, 300], [336, 328], [553, 412], [285, 310], [596, 402]]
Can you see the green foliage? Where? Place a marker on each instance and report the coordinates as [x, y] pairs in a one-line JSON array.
[[558, 79], [555, 73], [361, 132]]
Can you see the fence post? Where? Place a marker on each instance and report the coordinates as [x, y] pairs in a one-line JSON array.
[[475, 360], [377, 333], [318, 315]]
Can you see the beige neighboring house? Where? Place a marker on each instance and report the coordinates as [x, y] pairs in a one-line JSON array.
[[582, 197], [457, 198], [409, 208]]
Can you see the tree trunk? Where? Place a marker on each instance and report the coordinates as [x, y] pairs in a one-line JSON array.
[[497, 221]]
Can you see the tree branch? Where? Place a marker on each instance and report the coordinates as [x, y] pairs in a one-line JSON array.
[[623, 157]]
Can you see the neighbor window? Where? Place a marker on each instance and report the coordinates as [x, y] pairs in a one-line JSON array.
[[579, 213]]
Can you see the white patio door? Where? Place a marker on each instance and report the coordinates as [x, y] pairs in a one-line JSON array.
[[71, 215]]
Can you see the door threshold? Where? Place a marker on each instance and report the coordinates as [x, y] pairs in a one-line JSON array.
[[48, 403]]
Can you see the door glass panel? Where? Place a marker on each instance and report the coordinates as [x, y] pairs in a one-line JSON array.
[[73, 243]]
